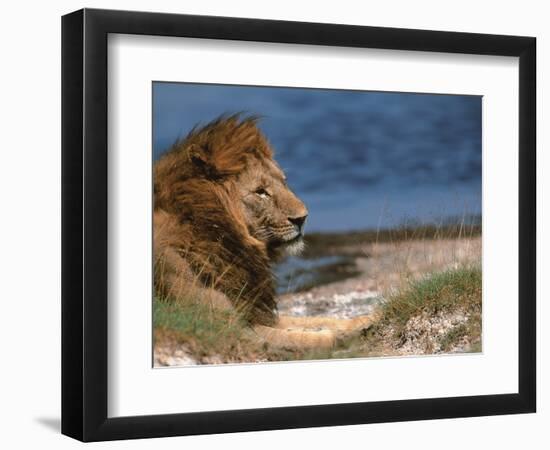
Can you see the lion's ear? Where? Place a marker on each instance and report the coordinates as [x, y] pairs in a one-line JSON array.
[[197, 155], [200, 159]]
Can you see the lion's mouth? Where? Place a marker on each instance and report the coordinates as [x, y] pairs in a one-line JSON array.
[[287, 240], [291, 244], [293, 240]]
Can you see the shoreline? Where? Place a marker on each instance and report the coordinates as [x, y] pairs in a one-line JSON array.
[[380, 269], [346, 242]]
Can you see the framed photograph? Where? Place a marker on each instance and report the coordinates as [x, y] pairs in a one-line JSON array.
[[273, 224]]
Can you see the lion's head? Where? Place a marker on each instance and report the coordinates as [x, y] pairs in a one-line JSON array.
[[233, 159], [273, 213]]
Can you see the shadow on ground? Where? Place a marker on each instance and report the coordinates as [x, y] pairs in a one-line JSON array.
[[53, 423]]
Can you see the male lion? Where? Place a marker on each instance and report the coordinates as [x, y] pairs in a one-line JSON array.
[[222, 214]]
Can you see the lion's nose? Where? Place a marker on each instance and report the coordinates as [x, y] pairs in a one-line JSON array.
[[298, 221]]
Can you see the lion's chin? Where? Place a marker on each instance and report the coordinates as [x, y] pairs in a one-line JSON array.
[[294, 247]]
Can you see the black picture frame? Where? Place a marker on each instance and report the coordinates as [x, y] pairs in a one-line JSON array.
[[84, 224]]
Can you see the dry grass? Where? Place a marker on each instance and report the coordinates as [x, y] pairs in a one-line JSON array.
[[322, 244], [393, 263]]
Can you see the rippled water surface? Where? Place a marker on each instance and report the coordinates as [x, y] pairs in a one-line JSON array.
[[358, 159]]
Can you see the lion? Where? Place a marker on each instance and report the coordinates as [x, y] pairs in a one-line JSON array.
[[223, 214]]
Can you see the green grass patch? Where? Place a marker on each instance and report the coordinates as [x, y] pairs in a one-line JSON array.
[[205, 331], [210, 334], [450, 289], [198, 320], [445, 293]]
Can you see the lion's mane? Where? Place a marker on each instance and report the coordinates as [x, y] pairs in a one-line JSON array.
[[196, 200]]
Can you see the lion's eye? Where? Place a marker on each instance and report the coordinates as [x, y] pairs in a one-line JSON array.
[[261, 192]]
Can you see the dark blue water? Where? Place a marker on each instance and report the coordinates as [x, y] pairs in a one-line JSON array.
[[358, 159]]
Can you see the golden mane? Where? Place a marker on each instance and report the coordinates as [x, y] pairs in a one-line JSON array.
[[194, 193]]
